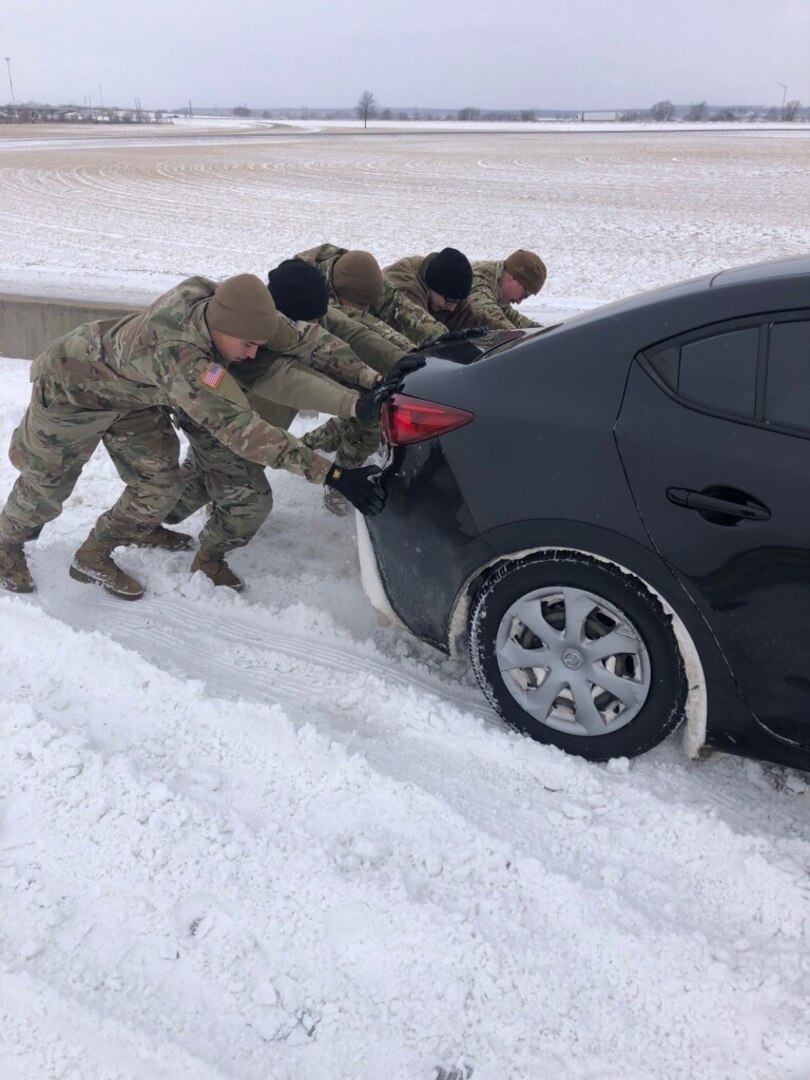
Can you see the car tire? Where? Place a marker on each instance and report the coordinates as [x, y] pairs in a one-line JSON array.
[[598, 673]]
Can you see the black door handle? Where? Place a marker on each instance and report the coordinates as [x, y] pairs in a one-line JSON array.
[[700, 501]]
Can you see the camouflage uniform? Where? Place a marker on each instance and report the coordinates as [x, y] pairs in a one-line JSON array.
[[115, 381], [318, 348], [277, 386], [379, 346], [373, 340], [486, 295], [405, 304]]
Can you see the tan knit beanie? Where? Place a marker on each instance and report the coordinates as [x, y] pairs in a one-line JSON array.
[[356, 276], [243, 308], [527, 268]]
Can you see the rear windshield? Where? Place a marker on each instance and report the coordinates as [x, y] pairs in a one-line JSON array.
[[517, 337]]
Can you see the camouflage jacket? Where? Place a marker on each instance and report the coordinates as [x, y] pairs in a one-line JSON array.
[[320, 348], [164, 356], [324, 258], [405, 304], [486, 295], [378, 345], [280, 387], [319, 372], [374, 341]]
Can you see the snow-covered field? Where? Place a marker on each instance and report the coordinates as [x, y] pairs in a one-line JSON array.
[[263, 837], [611, 213]]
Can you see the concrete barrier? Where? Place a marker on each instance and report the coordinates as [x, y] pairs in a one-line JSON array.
[[28, 324]]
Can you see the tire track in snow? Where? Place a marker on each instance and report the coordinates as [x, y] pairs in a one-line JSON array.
[[252, 665]]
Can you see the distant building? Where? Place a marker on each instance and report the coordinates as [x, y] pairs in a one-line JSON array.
[[601, 115]]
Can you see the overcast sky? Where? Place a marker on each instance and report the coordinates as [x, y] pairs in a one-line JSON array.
[[576, 54]]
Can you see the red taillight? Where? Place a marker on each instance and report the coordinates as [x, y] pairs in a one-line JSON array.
[[409, 420]]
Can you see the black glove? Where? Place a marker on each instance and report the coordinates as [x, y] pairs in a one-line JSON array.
[[368, 405], [406, 365], [463, 335], [362, 487], [457, 335]]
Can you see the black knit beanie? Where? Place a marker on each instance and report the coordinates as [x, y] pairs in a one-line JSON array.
[[449, 274], [299, 290]]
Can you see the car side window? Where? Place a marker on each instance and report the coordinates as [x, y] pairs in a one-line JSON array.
[[720, 372], [759, 371], [787, 392]]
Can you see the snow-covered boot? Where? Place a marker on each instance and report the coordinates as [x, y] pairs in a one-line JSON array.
[[14, 574], [213, 565], [93, 565]]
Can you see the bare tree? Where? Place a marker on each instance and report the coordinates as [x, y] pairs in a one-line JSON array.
[[469, 112], [241, 110], [697, 111], [662, 110], [790, 109], [366, 107]]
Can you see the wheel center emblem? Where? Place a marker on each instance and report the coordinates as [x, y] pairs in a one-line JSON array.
[[572, 658]]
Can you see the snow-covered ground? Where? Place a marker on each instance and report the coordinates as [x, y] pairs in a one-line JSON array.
[[263, 837], [611, 213]]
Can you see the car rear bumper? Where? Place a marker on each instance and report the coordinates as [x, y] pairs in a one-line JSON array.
[[370, 576]]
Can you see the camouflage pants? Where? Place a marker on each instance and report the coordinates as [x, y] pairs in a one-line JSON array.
[[237, 489], [51, 447], [351, 441]]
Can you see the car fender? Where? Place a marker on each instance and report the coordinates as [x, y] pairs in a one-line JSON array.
[[695, 642]]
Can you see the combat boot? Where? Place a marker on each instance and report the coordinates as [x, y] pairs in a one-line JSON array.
[[14, 574], [93, 565], [335, 503], [213, 565], [166, 539]]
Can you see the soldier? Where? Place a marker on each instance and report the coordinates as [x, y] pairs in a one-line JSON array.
[[301, 291], [355, 281], [427, 296], [498, 285], [314, 370], [113, 381]]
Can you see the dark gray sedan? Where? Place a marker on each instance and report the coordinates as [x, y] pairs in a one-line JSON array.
[[612, 516]]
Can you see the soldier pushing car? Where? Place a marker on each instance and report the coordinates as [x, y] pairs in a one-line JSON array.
[[116, 382]]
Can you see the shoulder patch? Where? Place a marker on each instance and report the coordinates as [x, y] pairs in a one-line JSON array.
[[213, 375]]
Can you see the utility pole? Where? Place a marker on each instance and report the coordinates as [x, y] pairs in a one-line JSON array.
[[784, 95], [100, 98], [11, 84]]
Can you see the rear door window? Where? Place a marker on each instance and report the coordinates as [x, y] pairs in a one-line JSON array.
[[759, 371], [787, 394]]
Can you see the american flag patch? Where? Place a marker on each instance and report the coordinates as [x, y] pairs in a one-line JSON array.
[[213, 375]]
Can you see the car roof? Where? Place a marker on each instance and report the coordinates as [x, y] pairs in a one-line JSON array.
[[767, 274], [776, 268]]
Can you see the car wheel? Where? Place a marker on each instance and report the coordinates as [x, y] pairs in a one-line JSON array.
[[577, 653]]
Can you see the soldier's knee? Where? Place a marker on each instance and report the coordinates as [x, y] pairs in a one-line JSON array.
[[264, 502], [163, 483]]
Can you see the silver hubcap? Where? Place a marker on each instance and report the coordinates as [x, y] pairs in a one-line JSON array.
[[573, 661]]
